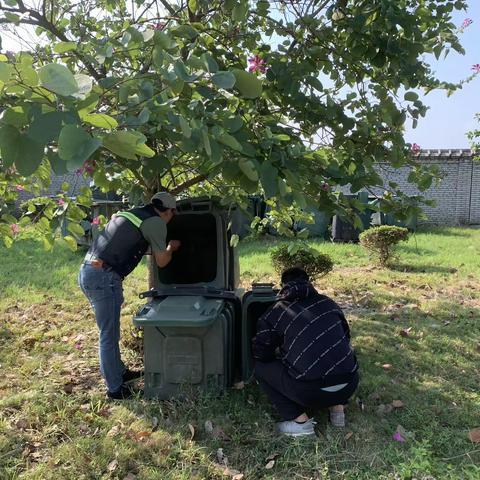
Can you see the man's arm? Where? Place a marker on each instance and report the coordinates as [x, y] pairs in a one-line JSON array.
[[154, 230], [267, 338], [163, 257]]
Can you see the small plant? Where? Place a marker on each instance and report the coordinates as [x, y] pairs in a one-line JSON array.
[[299, 254], [382, 241]]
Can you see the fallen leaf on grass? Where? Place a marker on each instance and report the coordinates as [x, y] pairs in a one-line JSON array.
[[192, 431], [208, 427], [397, 404], [221, 457], [22, 424], [402, 435], [384, 409], [270, 465], [140, 436], [474, 435], [112, 466], [230, 472], [154, 423], [348, 435], [273, 456], [405, 332], [130, 476], [114, 431], [68, 388], [387, 366], [238, 386]]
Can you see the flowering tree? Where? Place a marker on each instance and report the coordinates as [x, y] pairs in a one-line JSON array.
[[224, 97]]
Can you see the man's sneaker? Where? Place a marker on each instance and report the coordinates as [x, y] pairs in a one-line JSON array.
[[122, 394], [129, 375], [337, 419], [294, 429]]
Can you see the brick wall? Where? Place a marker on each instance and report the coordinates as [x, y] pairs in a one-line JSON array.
[[457, 195]]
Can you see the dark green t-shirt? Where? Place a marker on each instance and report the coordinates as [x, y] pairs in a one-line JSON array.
[[154, 230]]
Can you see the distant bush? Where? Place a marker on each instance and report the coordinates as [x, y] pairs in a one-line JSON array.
[[300, 255], [382, 241]]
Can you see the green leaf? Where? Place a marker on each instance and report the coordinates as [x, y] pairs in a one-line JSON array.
[[5, 72], [75, 229], [233, 124], [163, 40], [100, 120], [209, 62], [240, 10], [186, 129], [17, 148], [127, 144], [234, 239], [192, 5], [182, 73], [248, 84], [248, 169], [269, 176], [12, 17], [63, 47], [46, 128], [84, 83], [76, 146], [15, 116], [206, 141], [282, 137], [230, 141], [71, 243], [224, 80], [58, 165], [185, 31], [58, 79], [411, 96]]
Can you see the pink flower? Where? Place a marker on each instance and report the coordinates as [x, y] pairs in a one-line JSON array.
[[257, 64], [398, 437], [78, 346], [159, 26], [88, 166], [415, 148], [96, 221], [14, 228], [19, 188], [466, 23], [476, 68], [325, 186], [61, 201]]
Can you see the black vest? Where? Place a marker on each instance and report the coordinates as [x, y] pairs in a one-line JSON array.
[[121, 244]]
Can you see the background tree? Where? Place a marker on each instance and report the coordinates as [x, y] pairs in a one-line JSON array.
[[290, 98]]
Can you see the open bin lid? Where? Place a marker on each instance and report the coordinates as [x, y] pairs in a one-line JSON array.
[[179, 311]]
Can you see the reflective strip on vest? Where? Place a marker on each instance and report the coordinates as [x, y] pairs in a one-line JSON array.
[[130, 216]]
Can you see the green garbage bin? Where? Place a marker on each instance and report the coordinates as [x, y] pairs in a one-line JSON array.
[[320, 226], [344, 231], [254, 304], [188, 340]]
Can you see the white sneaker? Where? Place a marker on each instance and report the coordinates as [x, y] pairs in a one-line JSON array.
[[294, 429]]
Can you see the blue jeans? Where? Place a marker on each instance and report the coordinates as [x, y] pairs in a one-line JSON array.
[[104, 291]]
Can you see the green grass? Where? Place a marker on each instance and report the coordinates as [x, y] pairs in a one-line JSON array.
[[56, 424]]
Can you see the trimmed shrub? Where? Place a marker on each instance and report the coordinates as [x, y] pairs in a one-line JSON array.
[[300, 255], [382, 241]]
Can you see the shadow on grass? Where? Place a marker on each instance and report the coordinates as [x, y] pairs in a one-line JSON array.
[[26, 264], [443, 231], [402, 267]]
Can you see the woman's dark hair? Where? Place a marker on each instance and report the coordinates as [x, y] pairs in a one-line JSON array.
[[294, 274]]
